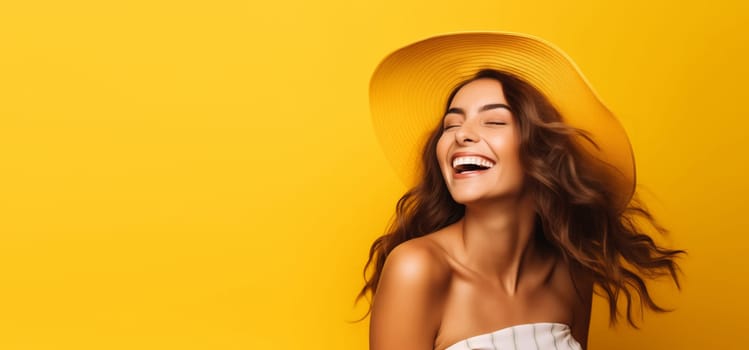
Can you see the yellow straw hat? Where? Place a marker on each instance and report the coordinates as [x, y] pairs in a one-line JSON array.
[[410, 87]]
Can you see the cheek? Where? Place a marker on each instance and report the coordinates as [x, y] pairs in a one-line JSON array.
[[518, 164], [504, 147], [509, 153]]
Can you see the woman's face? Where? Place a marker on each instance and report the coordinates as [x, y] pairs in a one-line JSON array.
[[478, 151]]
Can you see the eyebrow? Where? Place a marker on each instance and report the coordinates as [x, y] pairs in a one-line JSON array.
[[483, 108]]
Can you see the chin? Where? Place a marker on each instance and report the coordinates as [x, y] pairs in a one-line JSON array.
[[467, 198]]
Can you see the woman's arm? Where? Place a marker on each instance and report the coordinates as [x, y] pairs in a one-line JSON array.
[[407, 306]]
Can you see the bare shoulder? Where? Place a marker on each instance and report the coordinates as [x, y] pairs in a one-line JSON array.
[[419, 260], [407, 307]]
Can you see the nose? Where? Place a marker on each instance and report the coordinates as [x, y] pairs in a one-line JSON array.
[[466, 134]]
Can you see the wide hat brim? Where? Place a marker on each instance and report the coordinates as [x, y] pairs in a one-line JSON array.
[[410, 87]]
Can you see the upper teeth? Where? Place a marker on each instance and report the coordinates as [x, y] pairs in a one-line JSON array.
[[472, 160]]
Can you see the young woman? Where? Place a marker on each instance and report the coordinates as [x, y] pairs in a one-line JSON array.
[[522, 205]]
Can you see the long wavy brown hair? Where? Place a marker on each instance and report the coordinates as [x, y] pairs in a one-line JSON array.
[[577, 211]]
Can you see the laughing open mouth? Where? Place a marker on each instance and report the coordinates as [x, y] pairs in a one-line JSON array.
[[473, 163]]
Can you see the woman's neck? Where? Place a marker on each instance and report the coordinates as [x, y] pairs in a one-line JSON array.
[[498, 239]]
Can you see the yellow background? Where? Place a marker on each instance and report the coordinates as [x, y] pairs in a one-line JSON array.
[[204, 175]]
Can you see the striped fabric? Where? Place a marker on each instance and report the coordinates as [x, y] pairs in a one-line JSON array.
[[532, 336]]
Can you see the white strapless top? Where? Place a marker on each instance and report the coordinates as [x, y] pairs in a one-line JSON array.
[[531, 336]]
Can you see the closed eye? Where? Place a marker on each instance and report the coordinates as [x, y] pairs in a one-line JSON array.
[[497, 123]]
